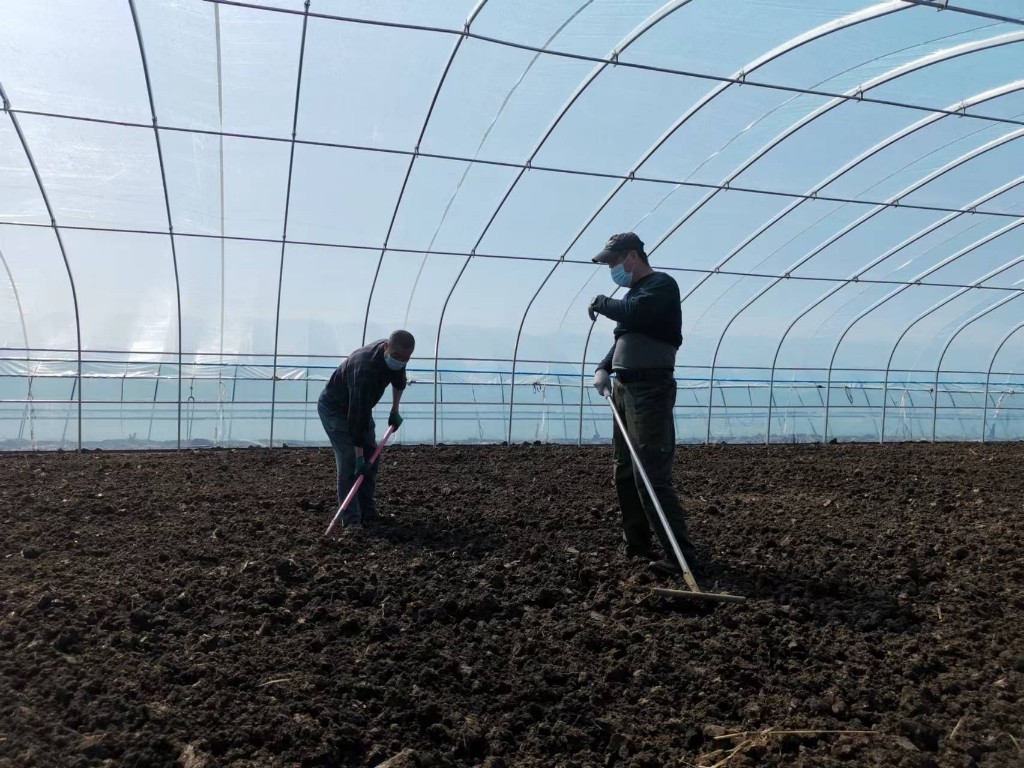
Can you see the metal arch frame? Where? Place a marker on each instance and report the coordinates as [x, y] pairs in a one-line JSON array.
[[412, 159], [895, 73], [892, 294], [867, 14], [167, 197], [480, 161], [913, 66], [284, 234], [937, 57], [491, 256], [889, 141], [594, 59], [828, 243], [648, 23], [60, 244], [864, 15], [957, 162], [583, 374], [219, 429], [29, 411], [938, 305], [470, 162], [856, 277], [475, 159], [476, 155], [945, 6], [179, 305], [977, 316], [988, 377]]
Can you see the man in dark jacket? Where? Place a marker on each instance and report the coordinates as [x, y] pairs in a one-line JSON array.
[[648, 332], [346, 411]]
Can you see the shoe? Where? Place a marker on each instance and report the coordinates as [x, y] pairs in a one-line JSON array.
[[666, 567], [352, 527], [639, 554]]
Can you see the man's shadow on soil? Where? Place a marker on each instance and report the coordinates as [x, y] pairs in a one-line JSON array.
[[415, 537], [820, 598]]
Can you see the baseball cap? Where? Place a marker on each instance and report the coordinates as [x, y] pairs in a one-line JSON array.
[[617, 245]]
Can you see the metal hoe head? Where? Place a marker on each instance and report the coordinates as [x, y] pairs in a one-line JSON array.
[[716, 597]]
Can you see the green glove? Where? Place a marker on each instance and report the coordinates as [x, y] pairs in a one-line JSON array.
[[362, 466], [394, 420]]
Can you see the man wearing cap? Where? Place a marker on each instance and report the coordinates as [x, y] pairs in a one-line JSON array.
[[648, 332], [346, 411]]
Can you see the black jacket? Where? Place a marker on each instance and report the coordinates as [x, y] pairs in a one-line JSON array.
[[650, 307], [358, 384]]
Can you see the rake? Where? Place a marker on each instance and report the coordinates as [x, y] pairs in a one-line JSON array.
[[694, 591]]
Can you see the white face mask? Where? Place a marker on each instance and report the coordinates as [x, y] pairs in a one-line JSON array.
[[394, 365]]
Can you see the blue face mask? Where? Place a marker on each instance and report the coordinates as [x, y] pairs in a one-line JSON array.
[[621, 277], [394, 365]]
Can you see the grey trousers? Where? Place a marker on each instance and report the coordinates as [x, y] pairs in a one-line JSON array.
[[363, 507]]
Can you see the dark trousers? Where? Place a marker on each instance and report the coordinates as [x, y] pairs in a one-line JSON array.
[[363, 507], [646, 408]]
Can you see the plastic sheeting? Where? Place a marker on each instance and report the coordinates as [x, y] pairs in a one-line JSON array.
[[207, 205]]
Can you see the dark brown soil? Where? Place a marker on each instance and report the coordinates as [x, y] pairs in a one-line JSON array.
[[184, 609]]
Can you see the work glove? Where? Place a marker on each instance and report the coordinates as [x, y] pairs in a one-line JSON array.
[[592, 309], [602, 382], [362, 466], [394, 420]]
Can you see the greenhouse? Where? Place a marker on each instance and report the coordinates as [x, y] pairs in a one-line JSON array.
[[215, 215], [208, 205]]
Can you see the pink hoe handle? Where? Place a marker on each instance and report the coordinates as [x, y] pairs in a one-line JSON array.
[[359, 481]]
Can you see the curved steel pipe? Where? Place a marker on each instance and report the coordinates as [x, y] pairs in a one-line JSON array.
[[287, 207], [908, 68], [167, 201], [957, 332], [935, 308], [29, 410], [988, 377], [60, 244], [867, 14], [888, 142], [981, 150], [957, 162], [856, 276], [412, 159], [845, 231], [644, 27], [881, 146], [882, 79]]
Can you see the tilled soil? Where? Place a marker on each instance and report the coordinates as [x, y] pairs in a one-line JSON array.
[[184, 609]]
